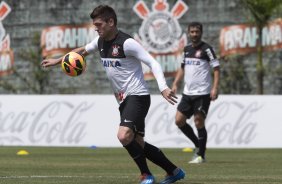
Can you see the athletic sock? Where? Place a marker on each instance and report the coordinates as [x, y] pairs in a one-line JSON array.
[[189, 132], [202, 141], [155, 155], [137, 154]]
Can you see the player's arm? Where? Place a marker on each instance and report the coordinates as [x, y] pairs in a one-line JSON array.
[[215, 65], [84, 51], [55, 61], [177, 79], [216, 75], [133, 48]]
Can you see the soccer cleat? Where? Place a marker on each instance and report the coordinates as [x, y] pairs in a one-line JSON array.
[[178, 174], [195, 151], [147, 179], [197, 160]]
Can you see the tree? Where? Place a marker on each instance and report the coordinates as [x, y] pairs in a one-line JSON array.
[[37, 79], [261, 11]]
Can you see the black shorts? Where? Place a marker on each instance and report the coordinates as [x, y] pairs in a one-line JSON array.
[[133, 111], [189, 105]]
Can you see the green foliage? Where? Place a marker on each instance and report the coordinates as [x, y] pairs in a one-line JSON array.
[[234, 78], [262, 10], [36, 79]]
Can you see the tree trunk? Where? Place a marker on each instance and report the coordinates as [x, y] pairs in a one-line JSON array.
[[260, 69]]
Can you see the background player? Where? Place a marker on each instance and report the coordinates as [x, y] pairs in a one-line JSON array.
[[199, 58]]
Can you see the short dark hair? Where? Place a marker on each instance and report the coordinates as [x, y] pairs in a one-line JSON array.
[[196, 24], [104, 12]]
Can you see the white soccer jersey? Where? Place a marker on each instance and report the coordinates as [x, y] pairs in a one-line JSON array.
[[197, 65], [121, 58]]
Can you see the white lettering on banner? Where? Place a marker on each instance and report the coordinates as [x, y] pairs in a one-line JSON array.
[[68, 37], [242, 39], [58, 40], [44, 126], [271, 35], [233, 131], [237, 121]]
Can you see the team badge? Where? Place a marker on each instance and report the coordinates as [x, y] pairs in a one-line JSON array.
[[115, 50], [198, 54], [160, 31]]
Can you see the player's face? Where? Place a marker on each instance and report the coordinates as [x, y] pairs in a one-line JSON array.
[[195, 34], [103, 28]]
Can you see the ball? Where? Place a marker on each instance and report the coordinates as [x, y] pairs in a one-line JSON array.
[[73, 64]]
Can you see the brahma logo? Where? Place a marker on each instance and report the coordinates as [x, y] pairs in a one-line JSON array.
[[58, 40], [161, 34], [6, 53]]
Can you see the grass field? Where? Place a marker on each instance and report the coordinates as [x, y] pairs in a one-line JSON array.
[[112, 166]]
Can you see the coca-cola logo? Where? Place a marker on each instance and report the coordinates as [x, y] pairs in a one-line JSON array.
[[59, 121], [221, 125]]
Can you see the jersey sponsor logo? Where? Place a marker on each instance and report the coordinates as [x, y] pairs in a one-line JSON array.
[[6, 53], [161, 34], [192, 62], [115, 50], [110, 63]]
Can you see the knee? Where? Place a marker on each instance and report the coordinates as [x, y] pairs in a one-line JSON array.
[[125, 137], [199, 121], [180, 119], [179, 122]]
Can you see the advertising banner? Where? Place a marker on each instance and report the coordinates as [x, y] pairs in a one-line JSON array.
[[243, 39], [58, 40], [6, 53], [234, 121]]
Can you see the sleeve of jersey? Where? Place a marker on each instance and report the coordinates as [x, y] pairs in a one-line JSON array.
[[92, 46], [212, 57], [133, 48]]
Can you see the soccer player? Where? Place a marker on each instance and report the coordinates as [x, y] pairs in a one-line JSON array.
[[199, 90], [121, 57]]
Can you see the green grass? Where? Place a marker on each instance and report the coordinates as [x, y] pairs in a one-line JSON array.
[[113, 166]]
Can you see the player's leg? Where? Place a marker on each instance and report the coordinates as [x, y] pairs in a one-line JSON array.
[[133, 112], [155, 155], [135, 150], [201, 110], [185, 111], [186, 129]]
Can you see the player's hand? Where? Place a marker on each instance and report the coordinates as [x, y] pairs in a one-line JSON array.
[[214, 94], [169, 95], [49, 62]]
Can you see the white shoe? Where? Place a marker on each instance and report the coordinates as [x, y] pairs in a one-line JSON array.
[[197, 160], [195, 151]]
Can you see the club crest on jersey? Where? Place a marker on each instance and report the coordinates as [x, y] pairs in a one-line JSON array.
[[198, 54], [115, 50]]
